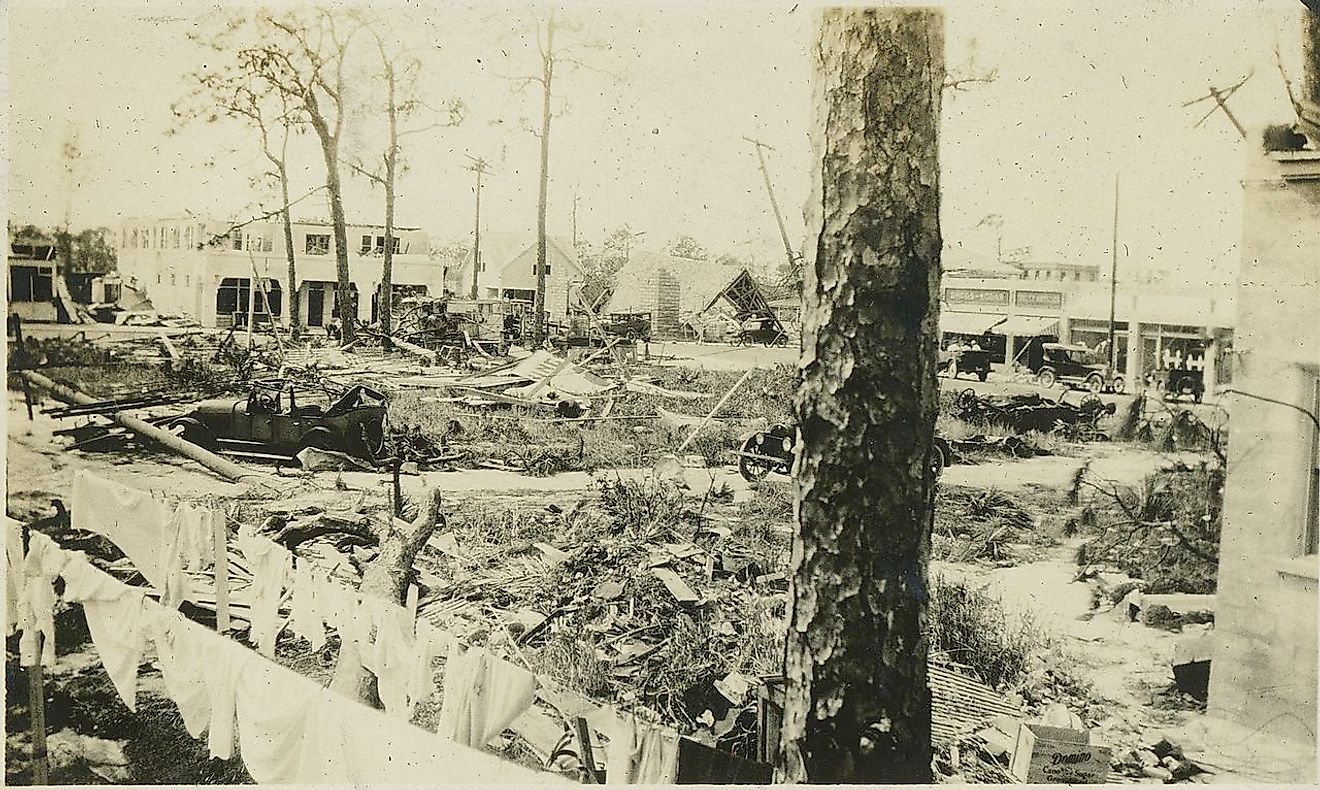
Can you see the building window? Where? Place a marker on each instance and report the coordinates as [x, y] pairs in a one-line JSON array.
[[174, 237], [186, 278], [547, 270], [187, 238], [172, 280], [29, 284], [318, 244], [238, 239], [366, 245]]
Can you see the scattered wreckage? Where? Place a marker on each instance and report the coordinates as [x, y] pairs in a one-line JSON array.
[[775, 450], [1034, 412]]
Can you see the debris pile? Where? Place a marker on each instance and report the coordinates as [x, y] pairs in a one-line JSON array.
[[1025, 413]]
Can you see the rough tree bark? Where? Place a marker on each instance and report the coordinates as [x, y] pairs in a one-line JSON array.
[[858, 706], [387, 577]]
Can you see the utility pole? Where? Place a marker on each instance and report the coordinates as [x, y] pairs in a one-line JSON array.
[[576, 197], [774, 204], [480, 167], [1221, 103], [1113, 286]]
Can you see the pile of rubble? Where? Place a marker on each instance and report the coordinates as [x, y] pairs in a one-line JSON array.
[[1026, 413]]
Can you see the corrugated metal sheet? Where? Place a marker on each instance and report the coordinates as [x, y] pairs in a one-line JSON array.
[[960, 703]]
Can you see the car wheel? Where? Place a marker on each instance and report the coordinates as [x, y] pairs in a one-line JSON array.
[[1046, 378], [982, 374], [939, 457], [1095, 384], [630, 336], [191, 430], [1118, 384], [320, 438]]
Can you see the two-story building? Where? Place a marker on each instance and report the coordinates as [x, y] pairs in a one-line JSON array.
[[217, 272]]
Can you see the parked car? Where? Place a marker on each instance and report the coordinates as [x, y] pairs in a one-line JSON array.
[[270, 421], [1076, 367], [630, 326], [1179, 382], [959, 361]]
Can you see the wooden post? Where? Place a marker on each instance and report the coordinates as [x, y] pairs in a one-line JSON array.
[[20, 356], [220, 537], [36, 700]]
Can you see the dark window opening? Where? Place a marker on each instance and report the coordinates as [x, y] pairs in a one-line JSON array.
[[318, 244]]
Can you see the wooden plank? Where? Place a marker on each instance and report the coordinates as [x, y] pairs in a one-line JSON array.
[[220, 534], [676, 586]]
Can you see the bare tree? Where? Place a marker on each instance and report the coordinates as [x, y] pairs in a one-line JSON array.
[[553, 55], [399, 70], [302, 55], [858, 706], [231, 91]]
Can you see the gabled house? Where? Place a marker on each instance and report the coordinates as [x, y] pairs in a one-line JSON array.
[[508, 271], [676, 290]]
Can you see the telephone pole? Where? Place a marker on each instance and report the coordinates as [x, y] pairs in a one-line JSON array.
[[1113, 289], [774, 204], [480, 167], [1221, 103]]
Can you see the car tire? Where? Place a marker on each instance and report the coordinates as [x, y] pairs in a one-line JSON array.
[[320, 438], [1046, 378], [1095, 384], [191, 430], [1118, 385], [983, 374]]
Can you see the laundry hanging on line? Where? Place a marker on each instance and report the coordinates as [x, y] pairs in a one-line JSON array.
[[288, 729]]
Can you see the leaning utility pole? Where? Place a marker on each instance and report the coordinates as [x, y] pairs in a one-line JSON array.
[[1221, 103], [774, 204], [1113, 288], [857, 705], [480, 167]]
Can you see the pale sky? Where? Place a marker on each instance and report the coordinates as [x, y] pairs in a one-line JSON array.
[[1081, 94]]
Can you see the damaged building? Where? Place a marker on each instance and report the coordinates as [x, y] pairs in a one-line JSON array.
[[206, 269]]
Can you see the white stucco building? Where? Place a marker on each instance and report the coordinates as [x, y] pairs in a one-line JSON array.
[[206, 269]]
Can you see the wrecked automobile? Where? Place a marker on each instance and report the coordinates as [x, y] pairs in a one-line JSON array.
[[775, 450], [273, 420]]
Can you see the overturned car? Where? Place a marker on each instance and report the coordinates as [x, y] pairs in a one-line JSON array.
[[775, 450]]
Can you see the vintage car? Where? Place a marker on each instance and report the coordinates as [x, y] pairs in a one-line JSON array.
[[774, 450], [271, 421], [763, 329], [958, 361], [1177, 383], [1075, 366], [629, 326]]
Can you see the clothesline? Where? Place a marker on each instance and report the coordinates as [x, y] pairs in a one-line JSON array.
[[384, 637], [289, 729]]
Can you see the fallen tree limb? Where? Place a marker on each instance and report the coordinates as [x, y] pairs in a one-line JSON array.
[[226, 469]]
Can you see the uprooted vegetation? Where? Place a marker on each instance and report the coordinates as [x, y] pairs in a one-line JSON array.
[[1005, 648], [979, 525], [1164, 532], [629, 436]]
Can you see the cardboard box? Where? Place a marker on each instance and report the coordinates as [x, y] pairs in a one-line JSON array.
[[1056, 755]]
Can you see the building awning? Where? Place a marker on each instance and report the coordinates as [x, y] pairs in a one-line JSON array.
[[967, 323], [1028, 326]]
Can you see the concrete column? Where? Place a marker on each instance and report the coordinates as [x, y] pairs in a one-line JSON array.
[[1211, 356], [1135, 363]]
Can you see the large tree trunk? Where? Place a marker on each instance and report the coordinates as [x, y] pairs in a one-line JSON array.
[[858, 707], [345, 306], [386, 298], [547, 77], [295, 318], [387, 578]]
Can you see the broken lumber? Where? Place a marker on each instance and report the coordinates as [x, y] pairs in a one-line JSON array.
[[412, 348], [226, 469], [676, 586]]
